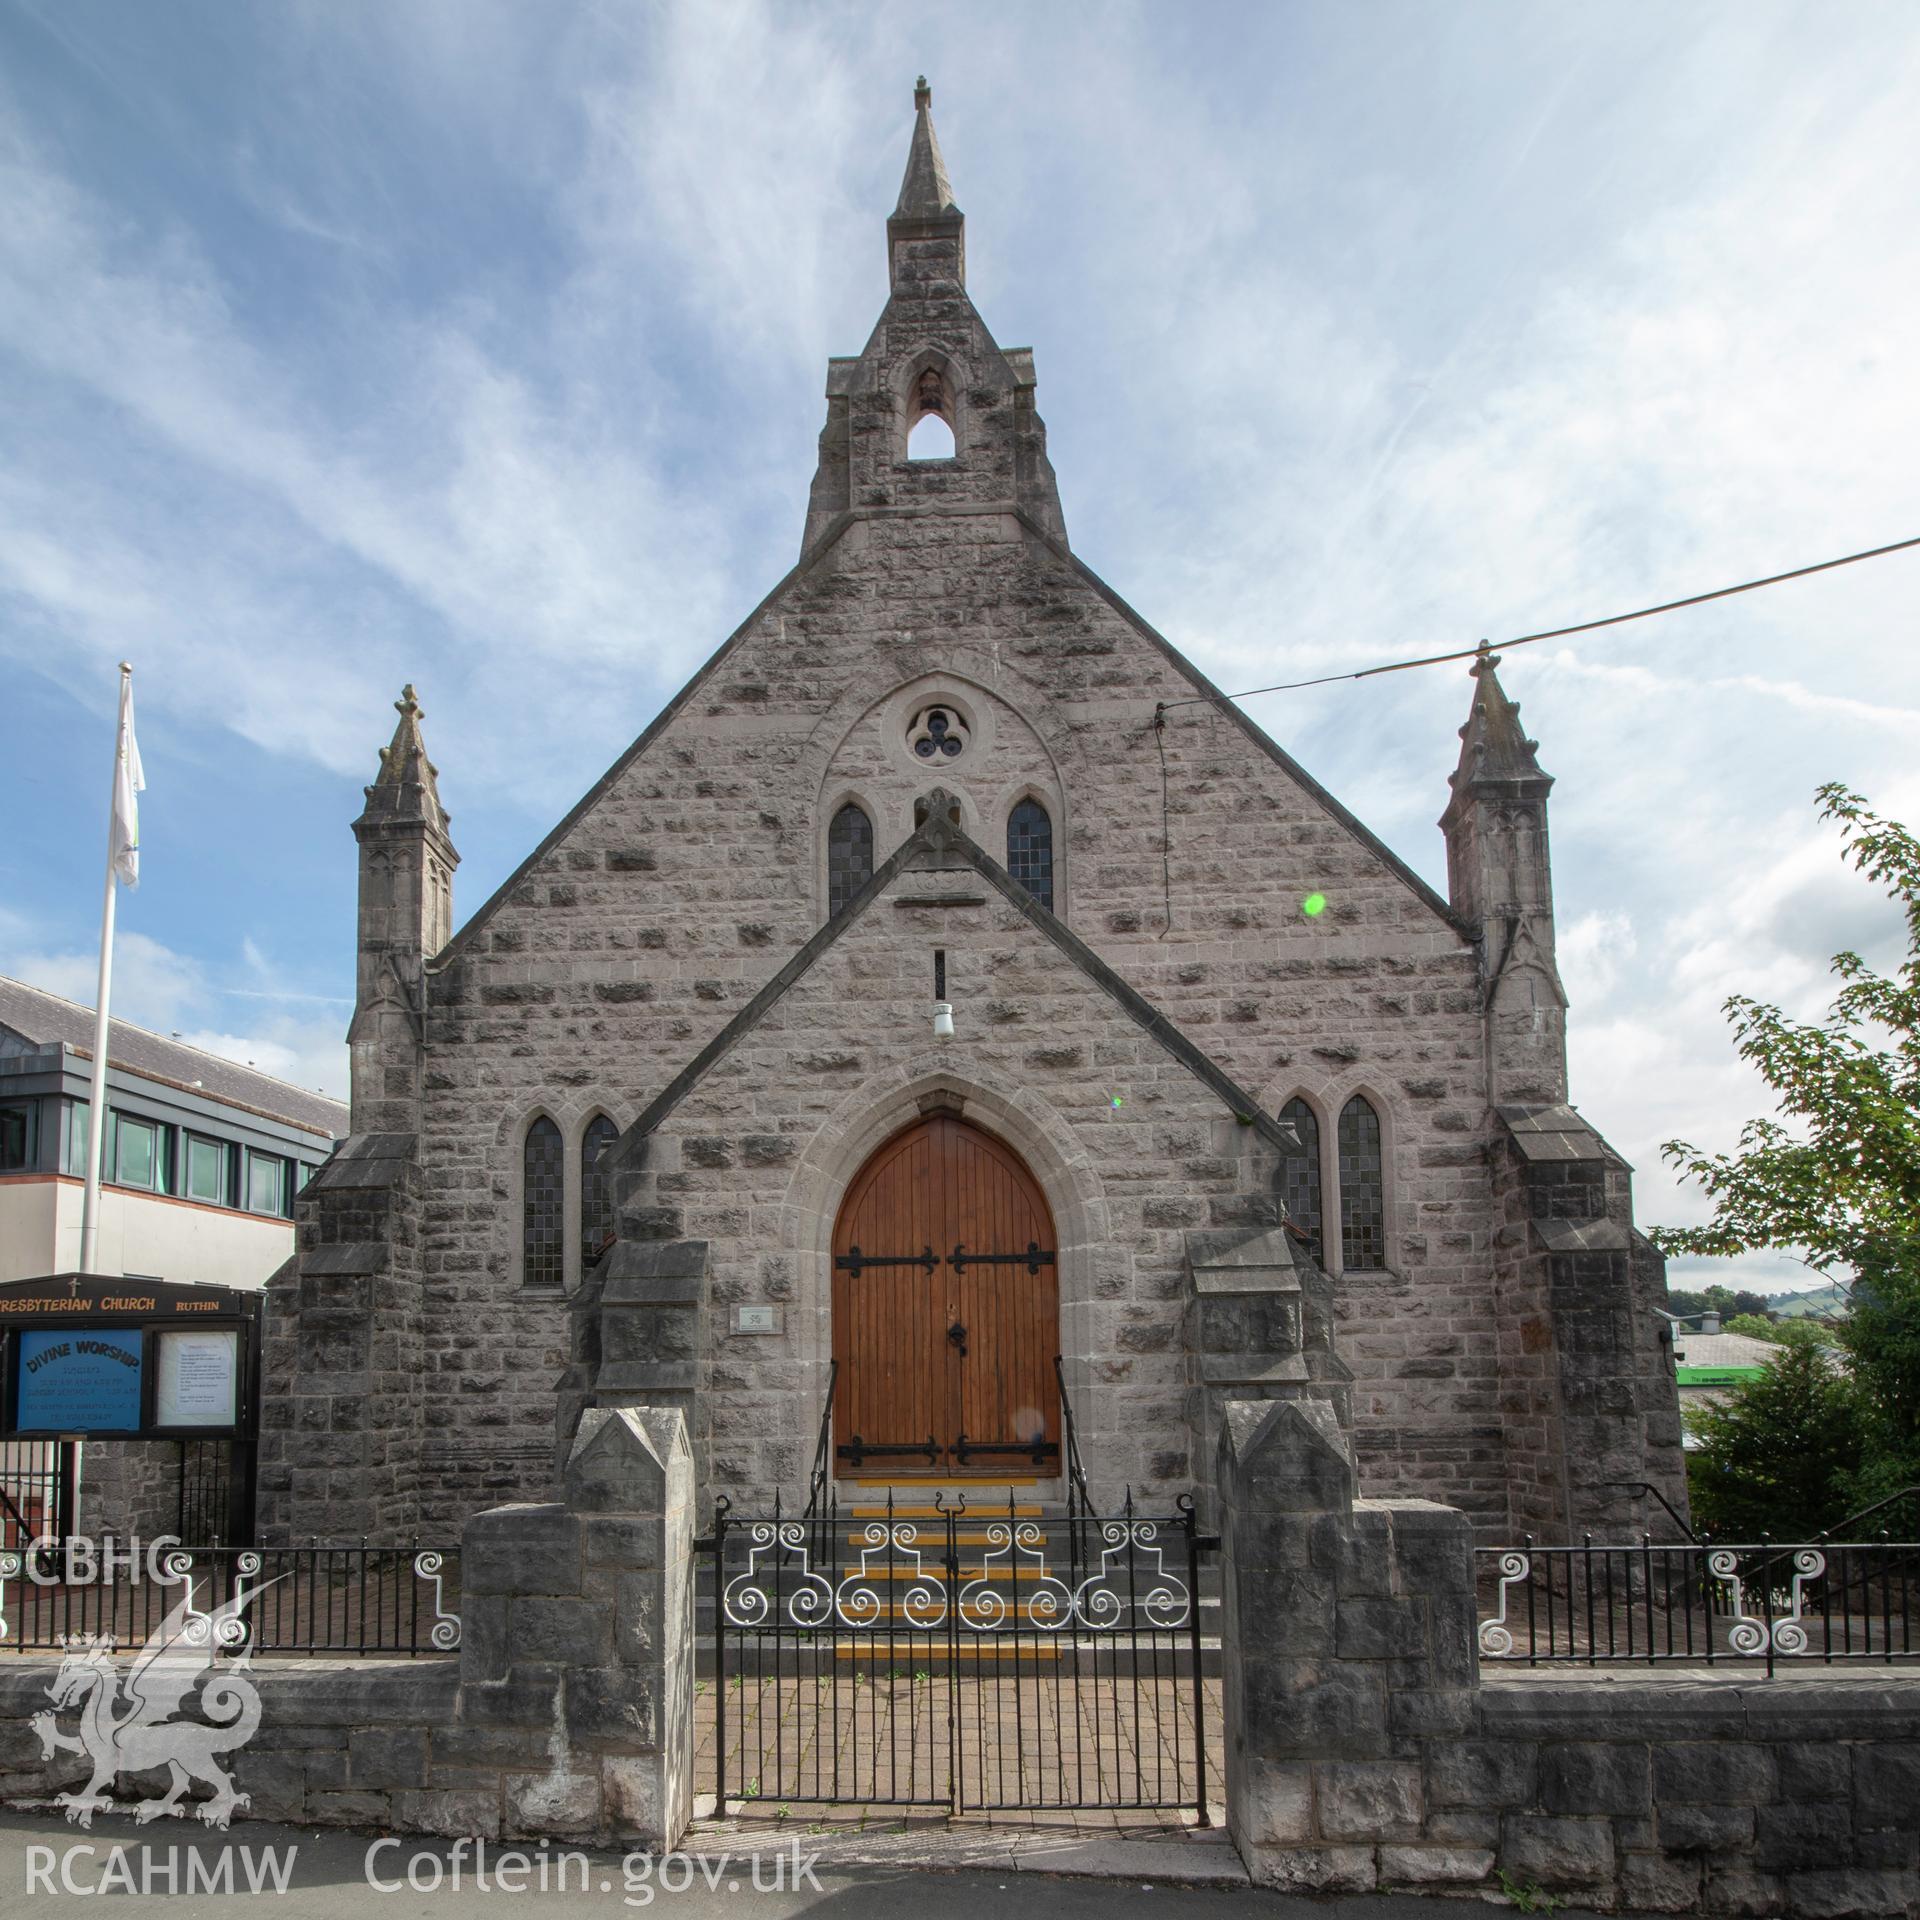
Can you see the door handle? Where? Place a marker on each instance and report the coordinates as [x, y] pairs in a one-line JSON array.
[[957, 1334]]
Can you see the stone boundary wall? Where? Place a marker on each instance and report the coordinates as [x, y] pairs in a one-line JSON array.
[[1680, 1793], [568, 1714], [1367, 1751]]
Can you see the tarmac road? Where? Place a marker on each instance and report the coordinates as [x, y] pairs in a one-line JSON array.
[[334, 1875]]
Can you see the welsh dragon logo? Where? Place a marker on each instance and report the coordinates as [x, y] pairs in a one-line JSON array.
[[127, 1722]]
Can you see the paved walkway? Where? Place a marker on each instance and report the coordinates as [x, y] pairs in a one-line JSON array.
[[877, 1742]]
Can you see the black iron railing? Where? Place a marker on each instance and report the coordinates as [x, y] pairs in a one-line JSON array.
[[314, 1599], [1757, 1604], [36, 1489]]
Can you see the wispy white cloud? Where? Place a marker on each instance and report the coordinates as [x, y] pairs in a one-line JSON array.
[[483, 500], [1342, 357], [294, 1035]]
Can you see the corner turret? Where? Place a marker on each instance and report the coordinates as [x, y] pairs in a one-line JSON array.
[[406, 915], [1500, 880]]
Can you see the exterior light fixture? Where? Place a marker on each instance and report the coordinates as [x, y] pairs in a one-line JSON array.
[[943, 1019]]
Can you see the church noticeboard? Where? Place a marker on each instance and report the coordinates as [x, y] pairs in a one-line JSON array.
[[83, 1354], [197, 1379], [81, 1379]]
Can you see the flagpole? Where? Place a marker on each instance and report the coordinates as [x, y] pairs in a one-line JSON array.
[[97, 1103]]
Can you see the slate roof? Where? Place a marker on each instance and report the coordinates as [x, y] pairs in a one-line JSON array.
[[1551, 1134], [46, 1020]]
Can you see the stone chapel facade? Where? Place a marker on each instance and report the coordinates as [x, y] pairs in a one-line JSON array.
[[668, 1120]]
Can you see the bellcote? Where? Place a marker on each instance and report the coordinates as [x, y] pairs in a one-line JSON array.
[[930, 354]]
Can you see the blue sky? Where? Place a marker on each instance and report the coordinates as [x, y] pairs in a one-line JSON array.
[[483, 346]]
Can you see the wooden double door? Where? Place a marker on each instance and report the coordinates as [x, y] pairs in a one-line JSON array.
[[946, 1309]]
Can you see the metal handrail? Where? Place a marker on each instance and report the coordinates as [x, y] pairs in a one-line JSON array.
[[1070, 1449], [1866, 1513], [1841, 1530], [1647, 1486], [823, 1449]]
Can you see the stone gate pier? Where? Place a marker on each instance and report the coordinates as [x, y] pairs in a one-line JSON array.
[[1367, 1750], [567, 1714]]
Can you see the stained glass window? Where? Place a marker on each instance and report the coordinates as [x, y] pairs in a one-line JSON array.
[[1030, 850], [1301, 1182], [849, 855], [596, 1195], [543, 1195], [1363, 1207]]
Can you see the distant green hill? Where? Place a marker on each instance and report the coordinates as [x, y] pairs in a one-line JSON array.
[[1822, 1300]]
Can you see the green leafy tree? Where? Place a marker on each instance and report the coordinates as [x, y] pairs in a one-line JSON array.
[[1837, 1179], [1756, 1326], [1779, 1453], [1822, 1334]]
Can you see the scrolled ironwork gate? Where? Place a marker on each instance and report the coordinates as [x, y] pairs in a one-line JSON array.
[[974, 1659]]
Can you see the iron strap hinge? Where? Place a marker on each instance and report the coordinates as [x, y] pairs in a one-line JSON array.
[[855, 1262], [1035, 1257]]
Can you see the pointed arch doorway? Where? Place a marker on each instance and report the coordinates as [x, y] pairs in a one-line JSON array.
[[946, 1308]]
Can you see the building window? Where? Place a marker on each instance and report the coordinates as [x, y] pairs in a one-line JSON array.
[[1030, 850], [75, 1159], [1300, 1190], [139, 1154], [937, 734], [17, 1140], [1363, 1210], [207, 1170], [596, 1194], [543, 1196], [849, 856], [266, 1183]]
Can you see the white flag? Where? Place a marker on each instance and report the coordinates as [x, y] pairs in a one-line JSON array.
[[129, 780]]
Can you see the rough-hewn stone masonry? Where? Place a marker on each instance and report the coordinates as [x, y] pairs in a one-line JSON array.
[[1251, 1060]]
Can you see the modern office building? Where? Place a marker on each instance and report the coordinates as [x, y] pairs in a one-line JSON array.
[[202, 1160], [203, 1156]]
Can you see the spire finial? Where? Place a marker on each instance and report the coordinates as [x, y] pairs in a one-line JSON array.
[[925, 193], [1494, 745], [407, 706]]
